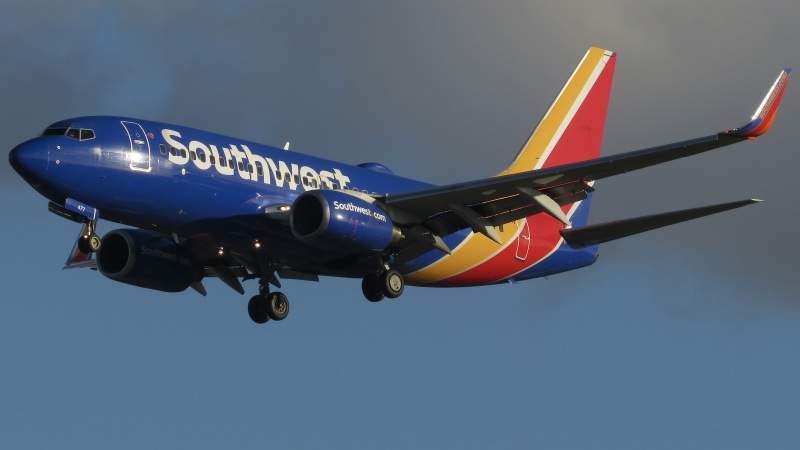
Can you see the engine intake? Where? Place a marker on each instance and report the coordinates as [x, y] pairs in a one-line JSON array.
[[147, 259], [337, 220]]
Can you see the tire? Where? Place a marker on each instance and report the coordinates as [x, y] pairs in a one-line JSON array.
[[83, 245], [95, 242], [277, 306], [257, 309], [392, 283], [371, 288]]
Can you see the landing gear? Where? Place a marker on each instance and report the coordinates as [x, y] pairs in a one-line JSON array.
[[371, 288], [388, 283], [278, 306], [392, 283], [257, 308], [268, 305], [89, 243]]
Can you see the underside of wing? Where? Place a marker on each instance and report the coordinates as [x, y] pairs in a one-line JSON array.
[[491, 202]]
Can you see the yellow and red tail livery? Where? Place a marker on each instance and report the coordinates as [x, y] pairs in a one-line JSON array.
[[570, 131]]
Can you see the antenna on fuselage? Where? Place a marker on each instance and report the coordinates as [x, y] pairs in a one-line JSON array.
[[286, 147]]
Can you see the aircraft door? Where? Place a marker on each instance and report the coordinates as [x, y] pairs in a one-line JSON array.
[[140, 146], [524, 241]]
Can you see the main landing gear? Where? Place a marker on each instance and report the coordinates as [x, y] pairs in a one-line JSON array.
[[388, 283], [275, 306], [268, 305]]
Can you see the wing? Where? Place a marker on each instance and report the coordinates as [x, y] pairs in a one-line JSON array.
[[487, 203]]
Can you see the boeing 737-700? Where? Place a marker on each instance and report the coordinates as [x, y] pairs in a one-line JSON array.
[[202, 205]]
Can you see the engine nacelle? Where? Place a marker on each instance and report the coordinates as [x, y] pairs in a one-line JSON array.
[[337, 220], [146, 259]]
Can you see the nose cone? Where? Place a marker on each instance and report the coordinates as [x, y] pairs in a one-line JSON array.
[[30, 160]]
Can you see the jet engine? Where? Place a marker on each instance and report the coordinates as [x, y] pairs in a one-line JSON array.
[[147, 259], [338, 220]]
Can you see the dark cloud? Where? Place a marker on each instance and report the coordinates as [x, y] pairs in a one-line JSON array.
[[439, 91]]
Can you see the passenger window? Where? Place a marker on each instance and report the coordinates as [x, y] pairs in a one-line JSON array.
[[193, 155], [223, 162], [87, 134], [163, 149], [213, 159], [335, 186], [260, 170], [202, 157], [241, 166], [297, 179], [183, 153], [278, 176], [250, 168]]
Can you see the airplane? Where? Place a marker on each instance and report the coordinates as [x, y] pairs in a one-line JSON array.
[[206, 205]]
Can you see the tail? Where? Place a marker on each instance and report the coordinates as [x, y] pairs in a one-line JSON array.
[[570, 131], [572, 128]]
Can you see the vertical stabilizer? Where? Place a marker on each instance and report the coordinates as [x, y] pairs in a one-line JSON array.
[[572, 128]]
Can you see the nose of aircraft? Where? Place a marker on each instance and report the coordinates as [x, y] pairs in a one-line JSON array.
[[30, 160]]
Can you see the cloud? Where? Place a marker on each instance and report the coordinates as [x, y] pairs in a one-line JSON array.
[[439, 91]]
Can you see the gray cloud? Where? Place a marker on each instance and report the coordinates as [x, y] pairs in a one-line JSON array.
[[439, 91]]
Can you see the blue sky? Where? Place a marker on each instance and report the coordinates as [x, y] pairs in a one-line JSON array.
[[683, 337]]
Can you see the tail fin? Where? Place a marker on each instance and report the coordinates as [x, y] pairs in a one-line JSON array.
[[572, 129]]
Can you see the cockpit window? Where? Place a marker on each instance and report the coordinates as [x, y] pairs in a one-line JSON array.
[[54, 132], [79, 134]]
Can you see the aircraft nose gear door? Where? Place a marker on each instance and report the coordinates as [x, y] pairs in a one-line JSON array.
[[140, 146]]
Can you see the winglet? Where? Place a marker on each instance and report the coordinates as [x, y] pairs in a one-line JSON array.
[[765, 114]]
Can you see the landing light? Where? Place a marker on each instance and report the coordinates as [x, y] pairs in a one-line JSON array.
[[257, 244]]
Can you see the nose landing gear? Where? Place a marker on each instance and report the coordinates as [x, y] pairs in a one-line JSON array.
[[89, 240]]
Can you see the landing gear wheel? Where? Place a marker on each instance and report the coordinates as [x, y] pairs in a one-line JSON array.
[[371, 288], [88, 244], [94, 242], [257, 308], [277, 306], [392, 283]]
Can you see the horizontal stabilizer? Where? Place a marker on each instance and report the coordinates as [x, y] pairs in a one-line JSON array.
[[609, 231]]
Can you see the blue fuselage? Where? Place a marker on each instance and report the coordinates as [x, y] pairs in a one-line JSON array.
[[189, 182]]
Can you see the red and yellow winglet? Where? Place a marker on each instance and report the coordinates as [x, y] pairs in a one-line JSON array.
[[765, 114]]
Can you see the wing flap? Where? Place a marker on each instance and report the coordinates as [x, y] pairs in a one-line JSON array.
[[500, 196]]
